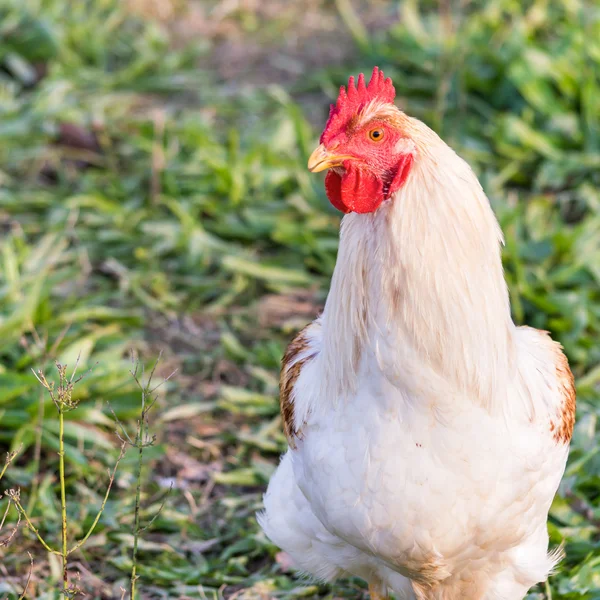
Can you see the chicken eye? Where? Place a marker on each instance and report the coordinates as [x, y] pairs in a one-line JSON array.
[[376, 135]]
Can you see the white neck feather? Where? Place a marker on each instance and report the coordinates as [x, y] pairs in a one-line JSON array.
[[419, 286]]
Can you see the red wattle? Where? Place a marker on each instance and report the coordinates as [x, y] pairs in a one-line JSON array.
[[333, 189], [362, 192], [357, 190]]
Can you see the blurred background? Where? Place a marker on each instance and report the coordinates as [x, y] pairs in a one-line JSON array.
[[154, 201]]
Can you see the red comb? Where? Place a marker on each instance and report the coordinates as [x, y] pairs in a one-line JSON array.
[[349, 102]]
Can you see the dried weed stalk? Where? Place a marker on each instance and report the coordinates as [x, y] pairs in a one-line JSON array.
[[141, 439], [62, 397]]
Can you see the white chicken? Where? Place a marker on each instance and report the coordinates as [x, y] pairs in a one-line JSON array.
[[428, 434]]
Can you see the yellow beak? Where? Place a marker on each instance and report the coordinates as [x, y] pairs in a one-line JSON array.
[[322, 159]]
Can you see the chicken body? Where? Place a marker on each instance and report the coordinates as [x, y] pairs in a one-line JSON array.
[[437, 502], [428, 434]]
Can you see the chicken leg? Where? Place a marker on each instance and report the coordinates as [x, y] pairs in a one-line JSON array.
[[376, 592]]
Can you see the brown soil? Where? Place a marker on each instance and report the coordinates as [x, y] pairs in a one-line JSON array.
[[261, 42]]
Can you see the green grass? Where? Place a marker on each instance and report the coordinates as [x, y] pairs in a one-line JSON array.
[[188, 224]]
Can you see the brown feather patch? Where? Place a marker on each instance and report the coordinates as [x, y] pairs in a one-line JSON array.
[[291, 367], [562, 428]]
